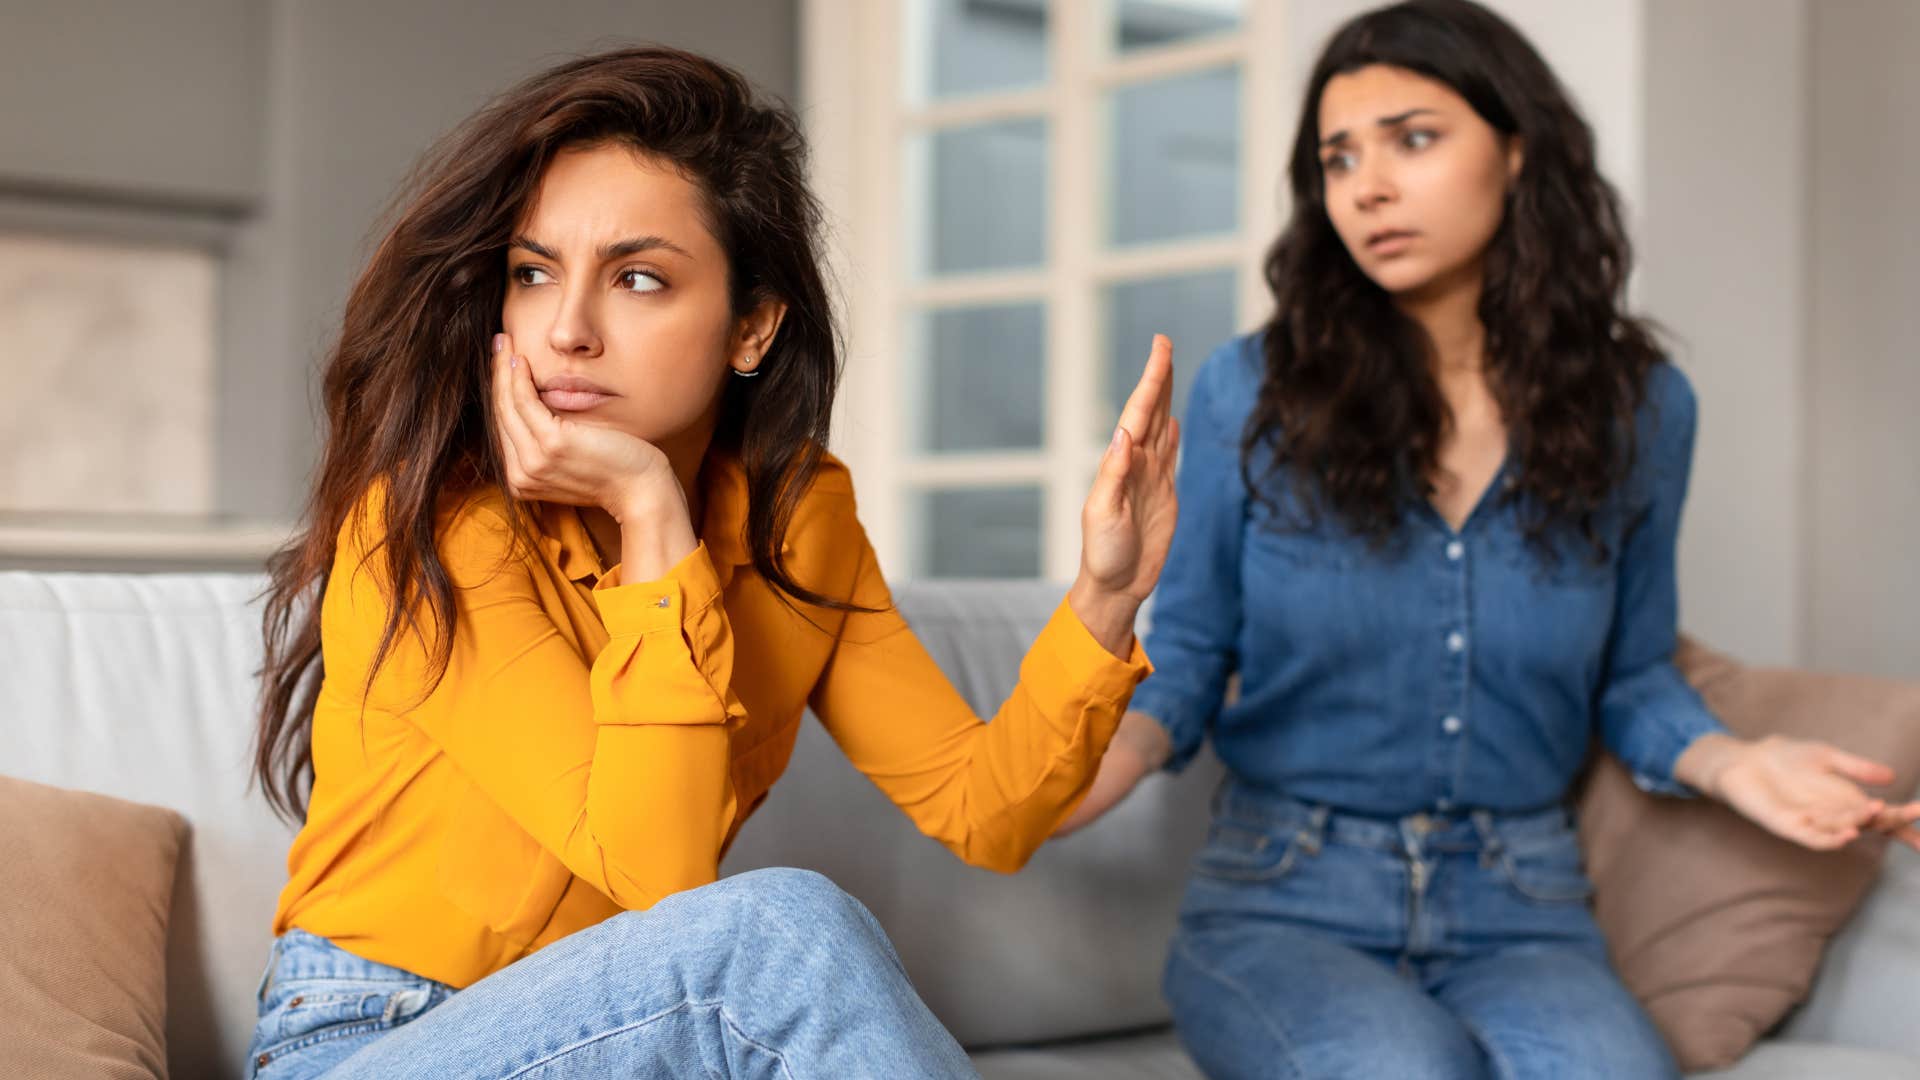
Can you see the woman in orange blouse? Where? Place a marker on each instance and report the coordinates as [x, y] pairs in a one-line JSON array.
[[580, 563]]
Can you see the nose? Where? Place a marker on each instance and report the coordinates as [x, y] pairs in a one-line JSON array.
[[575, 330], [1373, 184]]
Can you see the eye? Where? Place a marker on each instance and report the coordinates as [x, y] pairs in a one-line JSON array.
[[639, 281], [1337, 162], [1419, 139], [530, 275]]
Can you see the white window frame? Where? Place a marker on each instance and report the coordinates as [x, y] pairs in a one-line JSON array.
[[858, 122]]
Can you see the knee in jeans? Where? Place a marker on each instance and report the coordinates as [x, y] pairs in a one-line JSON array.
[[790, 896]]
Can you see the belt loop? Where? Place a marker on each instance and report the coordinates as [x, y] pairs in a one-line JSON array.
[[1491, 845], [266, 977], [1315, 834]]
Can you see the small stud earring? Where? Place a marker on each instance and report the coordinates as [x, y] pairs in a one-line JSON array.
[[747, 374]]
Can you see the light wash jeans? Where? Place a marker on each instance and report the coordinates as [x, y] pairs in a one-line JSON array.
[[1315, 945], [773, 973]]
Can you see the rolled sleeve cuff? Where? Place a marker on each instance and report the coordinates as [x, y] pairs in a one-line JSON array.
[[1183, 728], [1654, 734], [1074, 665]]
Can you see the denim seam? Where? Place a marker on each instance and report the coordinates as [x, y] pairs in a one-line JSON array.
[[1503, 1069], [1252, 1001], [643, 1022]]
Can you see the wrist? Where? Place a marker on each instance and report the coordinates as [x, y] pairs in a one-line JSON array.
[[1704, 763], [1107, 615], [644, 499], [656, 532]]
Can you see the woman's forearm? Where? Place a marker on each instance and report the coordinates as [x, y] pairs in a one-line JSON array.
[[1140, 746]]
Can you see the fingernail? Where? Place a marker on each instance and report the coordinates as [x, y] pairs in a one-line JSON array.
[[1115, 444], [499, 342]]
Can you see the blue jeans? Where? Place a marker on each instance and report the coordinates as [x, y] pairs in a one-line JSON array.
[[1321, 945], [774, 973]]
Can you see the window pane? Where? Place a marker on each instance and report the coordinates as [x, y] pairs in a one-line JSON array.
[[1147, 24], [1195, 310], [1175, 160], [978, 378], [108, 404], [977, 532], [957, 47], [980, 198]]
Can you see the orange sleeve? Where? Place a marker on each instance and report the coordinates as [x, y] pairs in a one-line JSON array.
[[619, 767], [991, 792]]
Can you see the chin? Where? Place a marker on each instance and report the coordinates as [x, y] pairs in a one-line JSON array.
[[1401, 280]]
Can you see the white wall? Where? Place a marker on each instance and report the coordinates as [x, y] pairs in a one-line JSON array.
[[1722, 238], [1863, 368]]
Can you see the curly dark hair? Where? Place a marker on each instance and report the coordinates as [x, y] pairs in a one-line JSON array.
[[405, 386], [1349, 409]]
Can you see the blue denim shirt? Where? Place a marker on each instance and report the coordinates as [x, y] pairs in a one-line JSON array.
[[1447, 671]]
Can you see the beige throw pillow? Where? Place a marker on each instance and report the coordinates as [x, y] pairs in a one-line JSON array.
[[86, 883], [1716, 925]]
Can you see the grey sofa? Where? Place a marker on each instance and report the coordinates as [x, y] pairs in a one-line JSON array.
[[141, 686]]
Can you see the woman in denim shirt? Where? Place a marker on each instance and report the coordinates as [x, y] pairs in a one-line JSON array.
[[1428, 518]]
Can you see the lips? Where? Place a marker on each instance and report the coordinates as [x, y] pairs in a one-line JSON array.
[[1390, 241], [573, 393]]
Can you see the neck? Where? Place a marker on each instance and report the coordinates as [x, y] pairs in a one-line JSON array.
[[1449, 312]]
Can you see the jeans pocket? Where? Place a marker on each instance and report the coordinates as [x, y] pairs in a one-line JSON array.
[[1240, 852], [307, 1013], [1550, 876]]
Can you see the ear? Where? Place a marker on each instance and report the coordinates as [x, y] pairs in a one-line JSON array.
[[1516, 157], [753, 335]]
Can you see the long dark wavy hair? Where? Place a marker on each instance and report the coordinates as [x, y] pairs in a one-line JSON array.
[[405, 388], [1350, 414]]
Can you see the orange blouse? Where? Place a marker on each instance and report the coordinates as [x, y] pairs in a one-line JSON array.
[[595, 745]]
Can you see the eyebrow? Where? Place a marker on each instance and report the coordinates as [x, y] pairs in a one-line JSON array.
[[619, 249], [1386, 121]]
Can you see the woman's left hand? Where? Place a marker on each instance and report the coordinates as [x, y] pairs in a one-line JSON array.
[[1805, 791], [1127, 522]]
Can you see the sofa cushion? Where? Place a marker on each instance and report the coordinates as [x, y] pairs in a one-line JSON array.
[[86, 883], [143, 685], [1073, 945], [1716, 925], [1779, 1060]]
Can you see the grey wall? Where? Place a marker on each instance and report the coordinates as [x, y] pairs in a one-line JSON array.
[[1722, 242], [1863, 366], [275, 131], [153, 103]]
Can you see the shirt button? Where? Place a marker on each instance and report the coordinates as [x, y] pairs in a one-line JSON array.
[[1451, 725], [1455, 550], [664, 602], [1443, 805], [1456, 641]]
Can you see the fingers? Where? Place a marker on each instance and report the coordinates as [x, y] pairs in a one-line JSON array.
[[1893, 820], [1856, 768], [534, 414], [1151, 396], [1110, 481], [519, 448]]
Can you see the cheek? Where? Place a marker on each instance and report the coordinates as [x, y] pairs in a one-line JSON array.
[[672, 364], [1469, 205], [519, 317], [1344, 218]]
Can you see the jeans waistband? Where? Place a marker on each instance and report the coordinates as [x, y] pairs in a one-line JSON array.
[[1460, 830], [298, 954]]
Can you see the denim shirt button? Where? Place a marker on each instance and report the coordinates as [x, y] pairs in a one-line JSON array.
[[1456, 641], [1451, 725], [1455, 550]]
